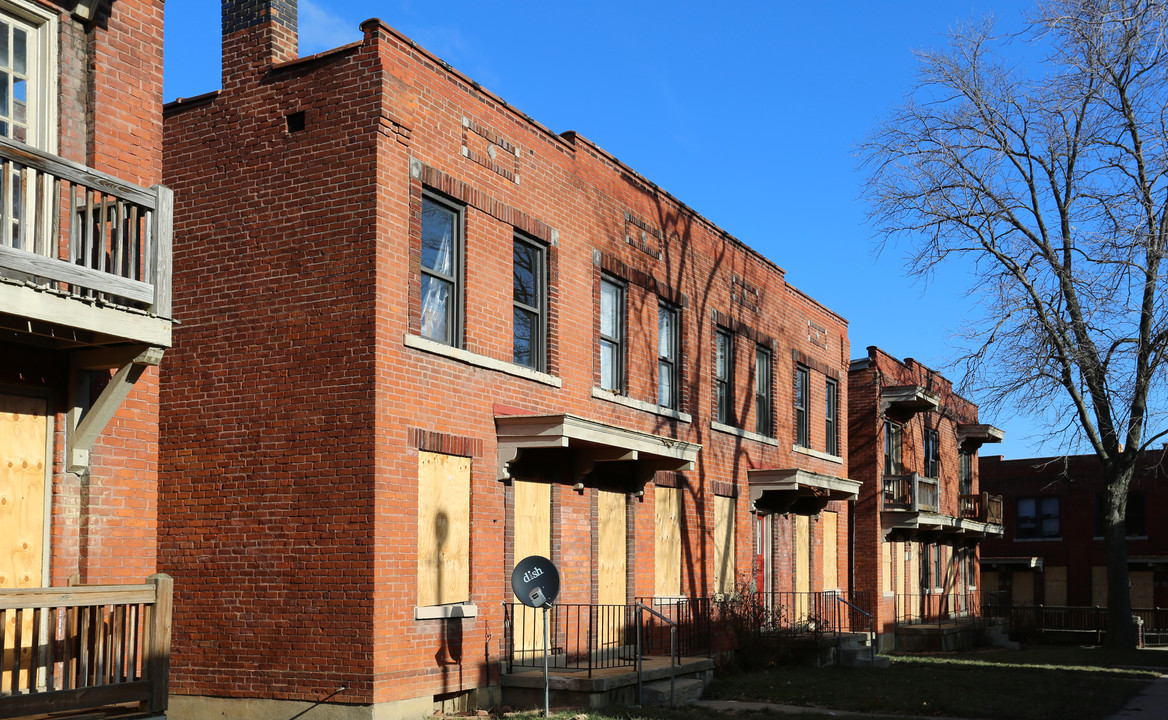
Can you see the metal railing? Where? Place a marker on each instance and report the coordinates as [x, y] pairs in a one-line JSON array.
[[911, 493], [816, 612], [1088, 620], [642, 608], [853, 609], [73, 230], [693, 617], [80, 648], [936, 608], [581, 637]]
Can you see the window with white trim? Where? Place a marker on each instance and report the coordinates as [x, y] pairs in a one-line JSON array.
[[612, 335], [28, 74], [529, 293], [667, 355], [441, 270]]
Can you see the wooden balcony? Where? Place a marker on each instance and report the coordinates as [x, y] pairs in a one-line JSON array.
[[982, 507], [85, 258], [90, 648], [911, 493]]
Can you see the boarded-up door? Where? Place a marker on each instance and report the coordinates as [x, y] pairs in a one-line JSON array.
[[1141, 590], [532, 536], [1055, 585], [1099, 586], [23, 444], [724, 524], [829, 523], [802, 566], [612, 564], [1022, 590], [667, 538]]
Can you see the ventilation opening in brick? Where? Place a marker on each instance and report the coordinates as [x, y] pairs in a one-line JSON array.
[[295, 121]]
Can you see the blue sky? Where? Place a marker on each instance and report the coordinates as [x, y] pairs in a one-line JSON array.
[[749, 112]]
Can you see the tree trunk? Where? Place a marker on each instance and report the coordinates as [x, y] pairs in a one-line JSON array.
[[1121, 631]]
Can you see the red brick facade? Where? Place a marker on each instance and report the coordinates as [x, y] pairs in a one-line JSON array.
[[302, 393], [1052, 552], [897, 539], [107, 107]]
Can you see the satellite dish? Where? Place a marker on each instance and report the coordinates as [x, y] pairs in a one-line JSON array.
[[536, 581]]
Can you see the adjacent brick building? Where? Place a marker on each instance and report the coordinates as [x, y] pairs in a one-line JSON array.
[[85, 318], [921, 514], [1052, 552], [424, 337]]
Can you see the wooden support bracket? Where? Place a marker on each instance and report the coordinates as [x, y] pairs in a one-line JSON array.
[[87, 424]]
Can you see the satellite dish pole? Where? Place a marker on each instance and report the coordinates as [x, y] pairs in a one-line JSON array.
[[536, 582]]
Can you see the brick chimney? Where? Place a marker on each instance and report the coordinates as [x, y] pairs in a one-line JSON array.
[[256, 34]]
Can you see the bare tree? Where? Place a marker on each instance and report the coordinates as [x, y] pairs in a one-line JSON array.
[[1049, 182]]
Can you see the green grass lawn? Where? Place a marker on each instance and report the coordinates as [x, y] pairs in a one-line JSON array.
[[1034, 684]]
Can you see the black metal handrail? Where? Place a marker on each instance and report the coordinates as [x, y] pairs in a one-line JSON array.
[[940, 607], [581, 636]]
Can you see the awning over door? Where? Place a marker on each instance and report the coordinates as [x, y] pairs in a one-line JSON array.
[[584, 446], [800, 491]]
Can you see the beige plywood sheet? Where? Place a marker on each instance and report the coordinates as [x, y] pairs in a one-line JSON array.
[[724, 523], [612, 557], [1141, 590], [915, 555], [1099, 586], [887, 572], [1055, 585], [443, 529], [667, 541], [23, 470], [802, 566], [532, 536], [829, 523], [989, 584], [1022, 589]]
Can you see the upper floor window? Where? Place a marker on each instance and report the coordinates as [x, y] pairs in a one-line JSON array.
[[441, 270], [892, 441], [1038, 517], [932, 459], [724, 377], [667, 355], [830, 417], [965, 473], [1135, 520], [612, 334], [529, 295], [802, 400], [27, 74], [762, 391]]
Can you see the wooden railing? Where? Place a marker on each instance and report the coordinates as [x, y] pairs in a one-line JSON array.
[[77, 648], [911, 493], [982, 507], [67, 228]]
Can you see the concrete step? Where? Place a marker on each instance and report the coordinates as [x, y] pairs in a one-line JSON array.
[[862, 657], [685, 691]]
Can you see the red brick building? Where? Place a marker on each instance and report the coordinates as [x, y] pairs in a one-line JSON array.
[[921, 514], [85, 317], [1052, 552], [424, 337]]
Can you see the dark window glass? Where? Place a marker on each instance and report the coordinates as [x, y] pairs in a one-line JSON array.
[[724, 377], [830, 422], [667, 352], [441, 253], [892, 465], [932, 454], [1038, 517], [762, 391], [612, 330], [528, 293], [802, 398], [1135, 521]]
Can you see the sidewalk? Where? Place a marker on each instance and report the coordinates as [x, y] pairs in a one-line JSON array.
[[1149, 704]]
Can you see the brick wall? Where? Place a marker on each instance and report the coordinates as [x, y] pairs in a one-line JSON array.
[[296, 390]]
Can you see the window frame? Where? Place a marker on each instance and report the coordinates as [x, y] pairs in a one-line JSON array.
[[1036, 529], [931, 455], [455, 279], [891, 450], [764, 373], [724, 376], [538, 349], [831, 417], [802, 401], [964, 472], [615, 341], [42, 100], [669, 361]]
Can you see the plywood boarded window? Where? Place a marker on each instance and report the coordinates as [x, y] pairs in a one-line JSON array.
[[667, 536], [888, 567], [1022, 583], [724, 525], [443, 529], [1141, 590], [1099, 586], [829, 524], [1055, 585]]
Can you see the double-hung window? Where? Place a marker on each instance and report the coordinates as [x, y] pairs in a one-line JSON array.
[[892, 439], [932, 454], [1038, 517], [667, 355], [762, 391], [441, 270], [830, 417], [612, 333], [28, 74], [724, 376], [529, 293], [802, 406], [965, 473]]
